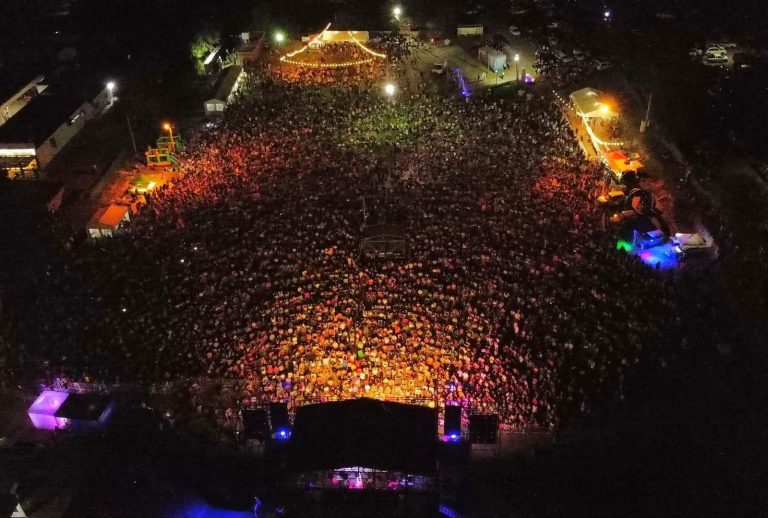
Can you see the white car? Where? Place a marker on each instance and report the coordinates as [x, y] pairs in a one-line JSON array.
[[715, 55], [514, 30], [715, 50], [439, 68], [603, 65], [722, 44], [716, 61]]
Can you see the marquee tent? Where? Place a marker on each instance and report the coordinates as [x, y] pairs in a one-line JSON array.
[[588, 104]]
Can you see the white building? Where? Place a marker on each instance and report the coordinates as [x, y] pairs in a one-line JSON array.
[[34, 136], [226, 86]]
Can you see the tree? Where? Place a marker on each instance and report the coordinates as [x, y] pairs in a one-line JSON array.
[[202, 45]]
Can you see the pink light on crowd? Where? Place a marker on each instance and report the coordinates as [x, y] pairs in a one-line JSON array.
[[42, 412]]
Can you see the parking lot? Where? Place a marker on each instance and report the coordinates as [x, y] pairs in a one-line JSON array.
[[463, 54]]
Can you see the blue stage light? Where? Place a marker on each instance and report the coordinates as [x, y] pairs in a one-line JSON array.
[[283, 434]]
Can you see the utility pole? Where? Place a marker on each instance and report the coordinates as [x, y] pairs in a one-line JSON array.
[[645, 123], [130, 131]]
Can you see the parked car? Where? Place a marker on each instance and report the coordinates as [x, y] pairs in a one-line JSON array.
[[722, 44], [578, 54], [439, 68], [715, 61], [514, 30], [603, 65], [715, 53]]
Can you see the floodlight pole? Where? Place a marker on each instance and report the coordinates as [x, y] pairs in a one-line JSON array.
[[645, 123], [130, 132]]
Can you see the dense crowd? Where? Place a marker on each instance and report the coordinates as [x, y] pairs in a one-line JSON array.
[[511, 299]]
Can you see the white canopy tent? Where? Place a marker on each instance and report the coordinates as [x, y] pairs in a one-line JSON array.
[[587, 103]]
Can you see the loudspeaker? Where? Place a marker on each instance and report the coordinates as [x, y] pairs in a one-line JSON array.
[[278, 416], [256, 423], [483, 428], [452, 424]]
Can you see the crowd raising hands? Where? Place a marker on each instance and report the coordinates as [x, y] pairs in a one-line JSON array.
[[512, 298]]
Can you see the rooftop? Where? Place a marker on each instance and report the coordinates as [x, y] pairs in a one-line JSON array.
[[37, 121], [108, 217], [13, 81]]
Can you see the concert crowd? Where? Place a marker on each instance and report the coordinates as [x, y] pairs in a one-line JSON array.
[[511, 297]]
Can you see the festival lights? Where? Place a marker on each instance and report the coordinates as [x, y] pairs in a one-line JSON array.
[[366, 49], [317, 40], [328, 65]]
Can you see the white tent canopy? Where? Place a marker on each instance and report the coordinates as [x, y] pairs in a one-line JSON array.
[[587, 103]]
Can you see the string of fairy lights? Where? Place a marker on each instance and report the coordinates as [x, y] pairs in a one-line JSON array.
[[318, 40]]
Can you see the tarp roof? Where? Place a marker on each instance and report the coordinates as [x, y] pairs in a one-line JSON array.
[[621, 163], [39, 119], [226, 83], [367, 433], [84, 407], [587, 102], [108, 217]]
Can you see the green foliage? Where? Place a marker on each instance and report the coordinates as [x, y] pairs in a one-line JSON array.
[[202, 45]]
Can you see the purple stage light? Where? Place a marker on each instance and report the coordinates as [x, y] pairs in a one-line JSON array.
[[662, 256], [42, 413]]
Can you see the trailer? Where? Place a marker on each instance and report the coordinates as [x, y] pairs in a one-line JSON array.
[[492, 58], [469, 30]]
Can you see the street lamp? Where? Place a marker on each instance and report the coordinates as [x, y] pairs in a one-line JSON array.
[[517, 74], [111, 87], [167, 127], [279, 37], [607, 15], [397, 11], [389, 89]]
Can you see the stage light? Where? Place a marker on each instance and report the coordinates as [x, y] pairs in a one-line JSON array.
[[452, 437], [283, 434], [279, 37], [389, 89]]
